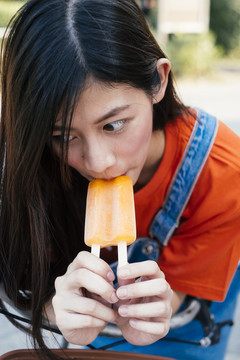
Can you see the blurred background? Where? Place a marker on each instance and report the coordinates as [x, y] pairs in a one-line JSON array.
[[202, 40], [199, 36]]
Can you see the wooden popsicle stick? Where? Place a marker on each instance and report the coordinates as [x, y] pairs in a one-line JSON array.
[[95, 250], [122, 253]]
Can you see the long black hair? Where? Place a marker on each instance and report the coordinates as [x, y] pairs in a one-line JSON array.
[[52, 49]]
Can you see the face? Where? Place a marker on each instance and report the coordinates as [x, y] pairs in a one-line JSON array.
[[110, 133]]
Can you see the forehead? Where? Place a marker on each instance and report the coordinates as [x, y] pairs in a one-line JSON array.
[[98, 90], [101, 97], [100, 101]]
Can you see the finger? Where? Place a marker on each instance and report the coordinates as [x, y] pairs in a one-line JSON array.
[[86, 306], [155, 328], [155, 287], [87, 260], [73, 321], [144, 268], [83, 278], [122, 282], [158, 309]]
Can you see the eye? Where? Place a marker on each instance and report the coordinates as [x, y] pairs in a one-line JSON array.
[[114, 126], [66, 138]]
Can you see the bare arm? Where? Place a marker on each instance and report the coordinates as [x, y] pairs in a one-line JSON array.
[[177, 300]]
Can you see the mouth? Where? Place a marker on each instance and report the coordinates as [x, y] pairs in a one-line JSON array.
[[90, 178]]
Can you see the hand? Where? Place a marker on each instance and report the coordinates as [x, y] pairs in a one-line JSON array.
[[84, 298], [145, 304]]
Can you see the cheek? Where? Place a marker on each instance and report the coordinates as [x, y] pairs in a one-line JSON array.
[[75, 160], [137, 146]]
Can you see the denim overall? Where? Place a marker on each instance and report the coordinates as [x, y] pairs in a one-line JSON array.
[[205, 336]]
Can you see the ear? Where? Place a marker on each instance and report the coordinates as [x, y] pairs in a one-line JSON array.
[[163, 68]]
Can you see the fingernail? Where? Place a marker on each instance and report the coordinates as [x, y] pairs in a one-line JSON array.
[[133, 323], [123, 273], [110, 276], [122, 292], [114, 297], [123, 310]]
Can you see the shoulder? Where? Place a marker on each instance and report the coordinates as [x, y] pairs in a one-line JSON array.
[[217, 189], [216, 196], [225, 152], [226, 147]]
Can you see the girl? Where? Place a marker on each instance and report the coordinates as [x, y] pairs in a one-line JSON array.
[[87, 93]]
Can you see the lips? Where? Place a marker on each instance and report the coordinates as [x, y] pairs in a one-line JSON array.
[[108, 178]]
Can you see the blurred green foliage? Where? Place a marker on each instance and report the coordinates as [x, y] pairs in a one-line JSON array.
[[193, 54], [198, 55], [8, 9], [152, 18], [225, 23]]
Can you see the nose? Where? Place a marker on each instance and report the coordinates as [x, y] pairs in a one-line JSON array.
[[99, 159]]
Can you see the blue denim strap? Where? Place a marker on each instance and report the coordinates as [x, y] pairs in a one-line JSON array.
[[186, 176]]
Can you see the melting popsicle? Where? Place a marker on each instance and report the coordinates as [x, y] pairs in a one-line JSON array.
[[110, 216]]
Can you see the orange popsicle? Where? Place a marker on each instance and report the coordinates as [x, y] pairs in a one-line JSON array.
[[110, 216]]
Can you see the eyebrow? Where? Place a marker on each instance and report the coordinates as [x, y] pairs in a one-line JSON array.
[[113, 112]]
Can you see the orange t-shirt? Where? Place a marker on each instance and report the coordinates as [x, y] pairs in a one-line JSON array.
[[204, 252]]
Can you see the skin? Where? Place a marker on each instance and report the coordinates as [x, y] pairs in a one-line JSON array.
[[111, 135]]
